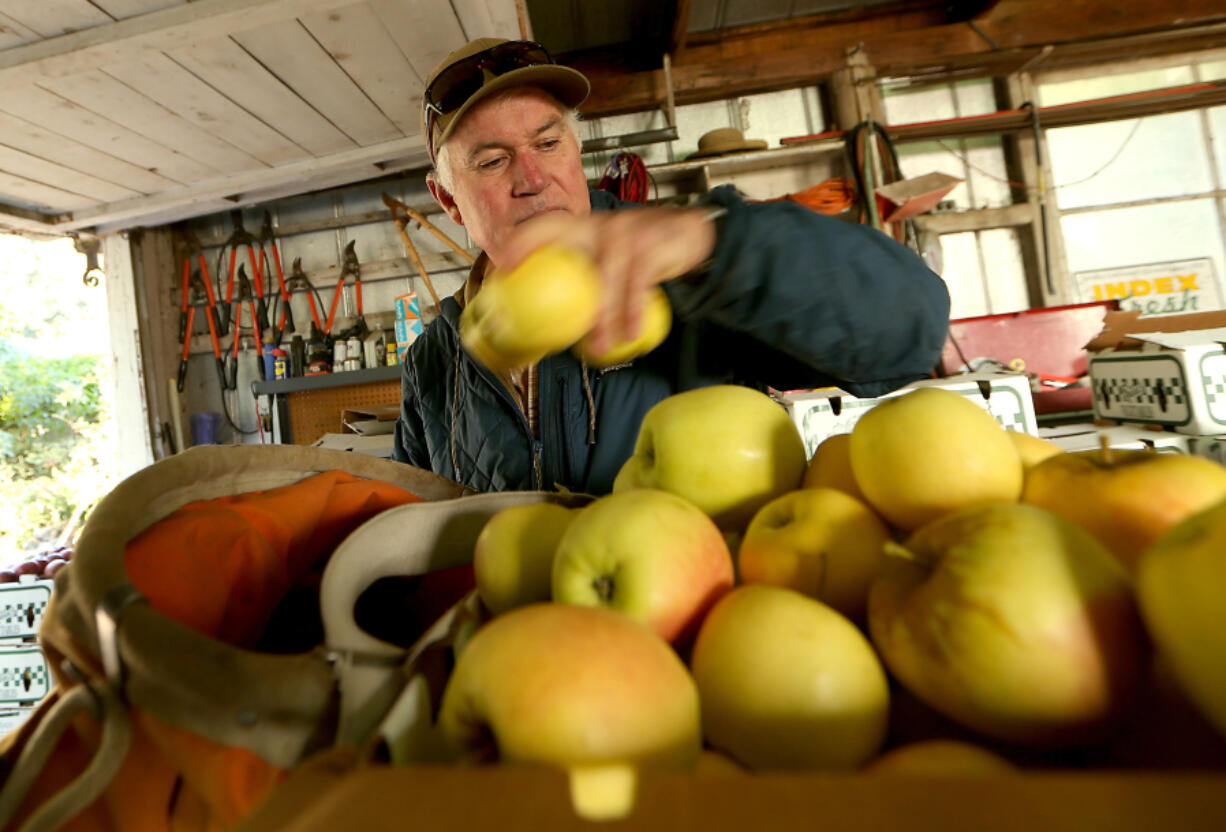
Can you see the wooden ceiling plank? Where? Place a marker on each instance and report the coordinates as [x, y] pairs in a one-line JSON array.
[[487, 18], [39, 197], [13, 33], [355, 38], [424, 36], [225, 65], [59, 176], [194, 101], [104, 95], [62, 116], [37, 141], [51, 18], [161, 31], [349, 166], [120, 9], [289, 51]]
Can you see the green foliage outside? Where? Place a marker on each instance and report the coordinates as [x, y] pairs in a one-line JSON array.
[[56, 457]]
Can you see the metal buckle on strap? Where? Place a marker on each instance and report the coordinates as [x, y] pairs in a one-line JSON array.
[[337, 655], [107, 615]]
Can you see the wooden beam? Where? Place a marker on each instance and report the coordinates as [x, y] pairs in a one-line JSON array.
[[174, 27], [919, 41], [193, 200], [681, 25]]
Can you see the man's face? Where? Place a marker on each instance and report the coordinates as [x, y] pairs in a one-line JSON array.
[[512, 158]]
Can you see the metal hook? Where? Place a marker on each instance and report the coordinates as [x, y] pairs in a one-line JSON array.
[[90, 246]]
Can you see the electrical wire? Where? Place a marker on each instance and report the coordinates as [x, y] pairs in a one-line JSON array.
[[1115, 156], [626, 178]]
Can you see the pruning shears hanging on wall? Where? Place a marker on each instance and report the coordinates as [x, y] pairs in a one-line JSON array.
[[244, 295], [349, 266], [299, 281], [238, 238], [285, 319], [196, 292]]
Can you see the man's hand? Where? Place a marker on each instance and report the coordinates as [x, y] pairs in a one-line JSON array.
[[634, 249]]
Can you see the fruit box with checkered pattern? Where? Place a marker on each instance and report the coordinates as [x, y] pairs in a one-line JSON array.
[[819, 414], [1168, 371]]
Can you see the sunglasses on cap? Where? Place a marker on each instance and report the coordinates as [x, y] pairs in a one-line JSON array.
[[459, 81]]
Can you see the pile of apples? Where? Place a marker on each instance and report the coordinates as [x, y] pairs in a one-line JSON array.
[[43, 566], [735, 605]]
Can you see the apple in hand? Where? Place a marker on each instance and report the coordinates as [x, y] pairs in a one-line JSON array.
[[1013, 622], [1180, 580], [513, 556], [929, 452], [818, 541], [654, 326], [542, 306], [647, 554], [788, 683], [1125, 498], [727, 449], [580, 688], [830, 467]]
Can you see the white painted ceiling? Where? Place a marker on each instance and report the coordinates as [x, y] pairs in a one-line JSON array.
[[120, 113]]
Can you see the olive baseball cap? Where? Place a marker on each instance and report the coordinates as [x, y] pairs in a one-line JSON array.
[[485, 66]]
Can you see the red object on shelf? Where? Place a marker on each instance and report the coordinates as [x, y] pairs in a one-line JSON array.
[[1045, 342]]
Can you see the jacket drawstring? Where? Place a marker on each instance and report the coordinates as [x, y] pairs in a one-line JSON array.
[[591, 405]]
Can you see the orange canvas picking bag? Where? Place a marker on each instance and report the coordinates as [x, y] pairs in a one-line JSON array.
[[167, 713]]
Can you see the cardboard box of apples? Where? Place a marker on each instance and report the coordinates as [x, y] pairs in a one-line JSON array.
[[932, 622]]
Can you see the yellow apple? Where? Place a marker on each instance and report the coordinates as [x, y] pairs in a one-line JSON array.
[[1013, 622], [580, 688], [649, 555], [654, 326], [830, 467], [727, 449], [1125, 498], [1180, 583], [1032, 449], [788, 683], [929, 452], [513, 556], [941, 758], [542, 306], [818, 541]]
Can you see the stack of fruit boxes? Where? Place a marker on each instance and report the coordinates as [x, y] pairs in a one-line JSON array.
[[24, 676]]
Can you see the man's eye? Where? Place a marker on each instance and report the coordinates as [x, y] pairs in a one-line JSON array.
[[549, 144], [491, 164]]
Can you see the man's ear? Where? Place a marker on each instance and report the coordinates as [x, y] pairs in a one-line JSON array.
[[444, 199]]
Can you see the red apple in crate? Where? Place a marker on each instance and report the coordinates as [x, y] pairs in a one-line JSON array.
[[1125, 498], [647, 554], [580, 688], [788, 683], [1012, 621], [818, 541], [727, 449]]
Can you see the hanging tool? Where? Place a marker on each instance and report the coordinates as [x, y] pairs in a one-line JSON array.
[[238, 238], [397, 208], [197, 295], [298, 280], [90, 246], [350, 266], [244, 294], [266, 240]]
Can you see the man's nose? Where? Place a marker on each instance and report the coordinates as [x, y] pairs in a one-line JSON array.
[[529, 176]]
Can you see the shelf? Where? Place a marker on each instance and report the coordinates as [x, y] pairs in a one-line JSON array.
[[326, 380]]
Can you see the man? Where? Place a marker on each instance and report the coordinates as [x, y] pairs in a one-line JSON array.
[[763, 294]]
